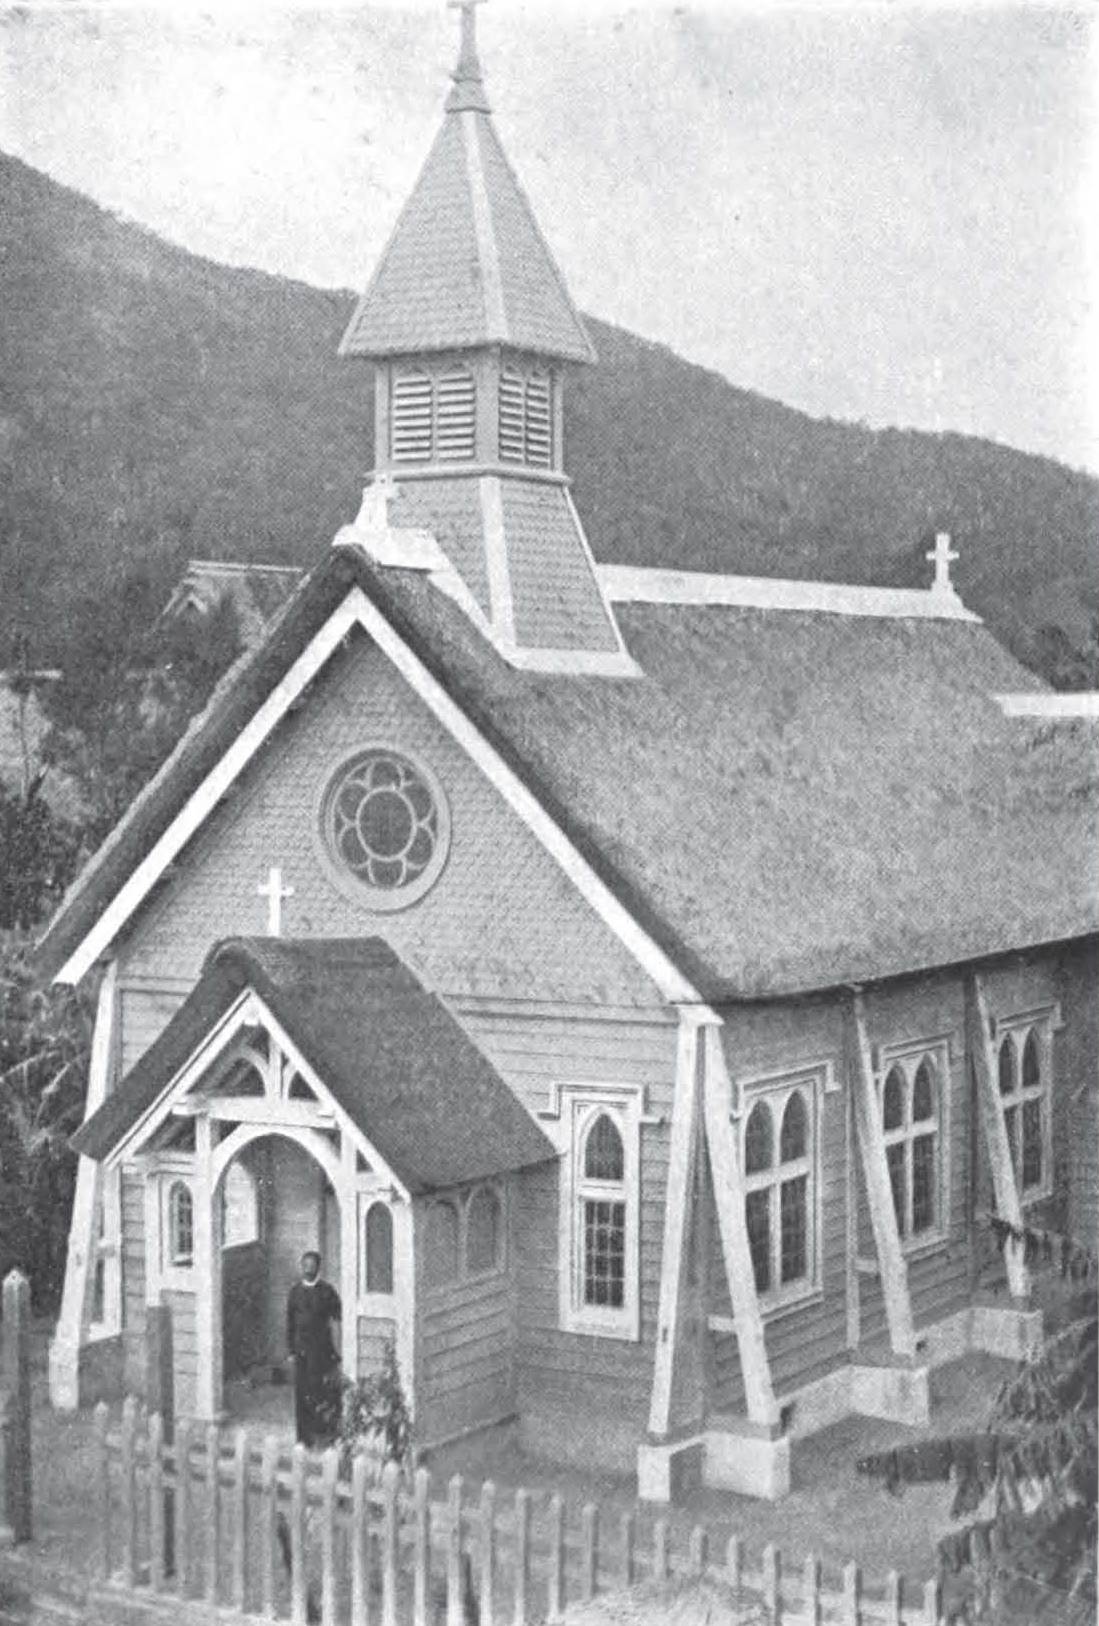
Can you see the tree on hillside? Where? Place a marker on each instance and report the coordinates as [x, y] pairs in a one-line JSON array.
[[44, 1044], [1025, 1485], [130, 683], [38, 852]]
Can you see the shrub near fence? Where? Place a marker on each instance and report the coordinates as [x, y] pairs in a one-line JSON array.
[[268, 1532]]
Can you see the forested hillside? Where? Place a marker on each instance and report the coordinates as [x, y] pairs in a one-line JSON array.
[[155, 406]]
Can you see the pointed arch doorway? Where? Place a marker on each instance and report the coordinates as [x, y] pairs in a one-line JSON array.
[[275, 1190], [274, 1201]]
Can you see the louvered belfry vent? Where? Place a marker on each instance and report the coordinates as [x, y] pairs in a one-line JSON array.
[[526, 418], [538, 437], [512, 418], [413, 404], [456, 416]]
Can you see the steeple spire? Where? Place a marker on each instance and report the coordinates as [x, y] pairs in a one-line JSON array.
[[468, 94]]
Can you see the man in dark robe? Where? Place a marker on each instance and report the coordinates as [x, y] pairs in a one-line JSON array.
[[312, 1307]]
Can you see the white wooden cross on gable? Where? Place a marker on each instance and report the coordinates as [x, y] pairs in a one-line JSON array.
[[273, 890]]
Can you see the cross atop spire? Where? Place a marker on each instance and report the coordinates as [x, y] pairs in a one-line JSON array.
[[468, 95]]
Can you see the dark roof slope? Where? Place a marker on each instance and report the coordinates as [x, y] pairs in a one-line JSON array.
[[785, 800], [390, 1052]]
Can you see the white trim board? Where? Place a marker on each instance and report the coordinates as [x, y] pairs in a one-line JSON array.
[[358, 610], [634, 584], [1043, 704]]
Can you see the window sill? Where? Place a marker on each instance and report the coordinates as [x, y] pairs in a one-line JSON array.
[[1031, 1199], [775, 1310], [625, 1331]]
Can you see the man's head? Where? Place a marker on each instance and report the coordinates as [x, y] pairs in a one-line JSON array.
[[310, 1265]]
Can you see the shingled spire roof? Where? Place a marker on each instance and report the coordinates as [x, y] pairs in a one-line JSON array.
[[467, 264]]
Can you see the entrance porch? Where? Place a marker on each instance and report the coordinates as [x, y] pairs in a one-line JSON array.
[[316, 1096]]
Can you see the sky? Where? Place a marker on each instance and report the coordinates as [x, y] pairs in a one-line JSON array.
[[874, 212]]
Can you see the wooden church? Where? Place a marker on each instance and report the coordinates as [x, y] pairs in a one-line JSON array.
[[639, 984]]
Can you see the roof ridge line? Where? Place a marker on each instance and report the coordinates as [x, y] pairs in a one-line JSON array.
[[649, 584]]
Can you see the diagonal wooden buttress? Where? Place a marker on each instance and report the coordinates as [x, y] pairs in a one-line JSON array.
[[717, 1099], [879, 1192], [682, 1158], [1008, 1206], [83, 1243]]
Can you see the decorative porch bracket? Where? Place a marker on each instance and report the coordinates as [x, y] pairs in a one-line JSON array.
[[682, 1159], [875, 1168], [64, 1361], [1008, 1206], [759, 1394]]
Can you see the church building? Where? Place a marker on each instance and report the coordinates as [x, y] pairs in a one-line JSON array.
[[639, 984]]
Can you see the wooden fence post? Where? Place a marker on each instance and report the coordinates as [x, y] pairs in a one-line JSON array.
[[15, 1412], [522, 1558], [268, 1524], [455, 1614], [239, 1491], [852, 1595], [213, 1512], [129, 1491], [589, 1563], [421, 1563], [556, 1593], [103, 1487], [391, 1535], [734, 1566], [893, 1599], [629, 1534], [297, 1535], [699, 1550], [660, 1550], [931, 1602], [155, 1438], [811, 1607], [772, 1584], [160, 1397], [488, 1554], [330, 1467], [182, 1453]]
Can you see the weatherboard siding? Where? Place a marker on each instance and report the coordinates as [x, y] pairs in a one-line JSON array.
[[465, 1337], [566, 1376], [144, 1011], [132, 1237]]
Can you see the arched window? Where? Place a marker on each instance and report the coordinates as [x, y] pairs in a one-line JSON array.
[[602, 1215], [910, 1129], [440, 1244], [378, 1249], [604, 1155], [483, 1227], [1024, 1098], [779, 1190], [892, 1120], [181, 1225], [239, 1206]]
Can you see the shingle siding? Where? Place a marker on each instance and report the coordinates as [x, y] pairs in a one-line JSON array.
[[557, 600]]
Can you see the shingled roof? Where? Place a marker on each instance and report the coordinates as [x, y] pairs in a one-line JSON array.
[[388, 1050], [784, 799], [467, 264]]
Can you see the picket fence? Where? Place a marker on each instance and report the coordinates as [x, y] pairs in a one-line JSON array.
[[255, 1529]]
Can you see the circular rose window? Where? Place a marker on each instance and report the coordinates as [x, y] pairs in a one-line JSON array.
[[385, 825]]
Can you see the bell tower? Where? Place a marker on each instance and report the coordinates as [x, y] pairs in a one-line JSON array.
[[471, 331]]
